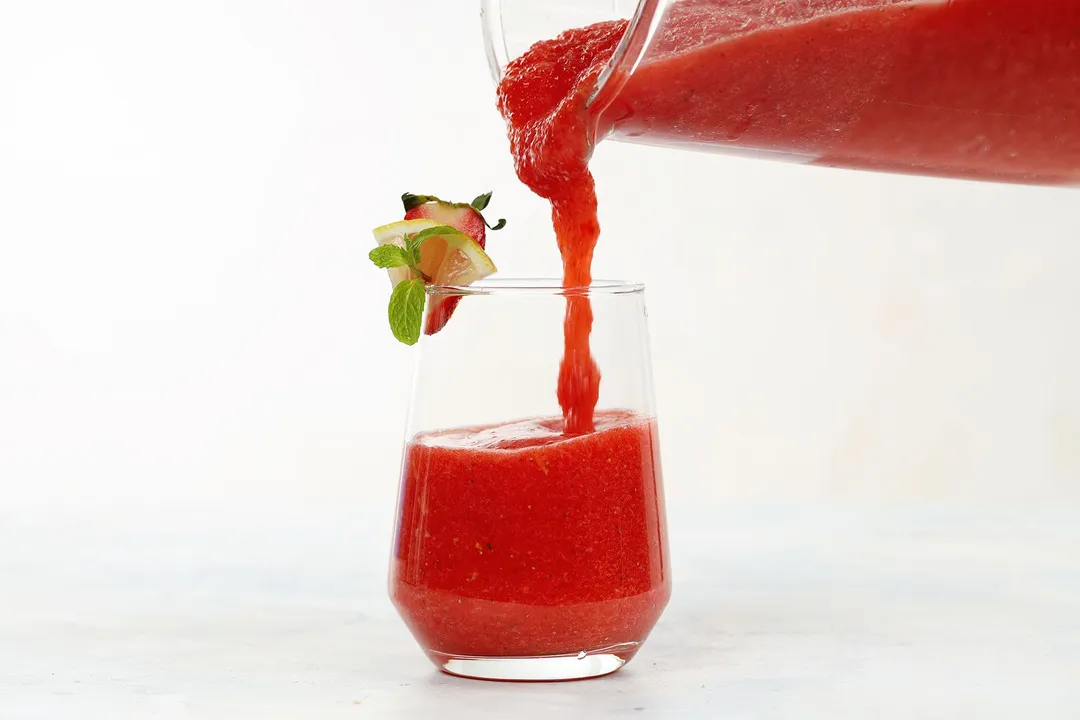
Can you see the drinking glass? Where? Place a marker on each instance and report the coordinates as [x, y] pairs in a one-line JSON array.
[[522, 552]]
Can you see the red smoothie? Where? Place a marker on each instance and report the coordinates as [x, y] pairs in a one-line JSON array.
[[986, 89], [543, 96], [982, 89], [519, 540]]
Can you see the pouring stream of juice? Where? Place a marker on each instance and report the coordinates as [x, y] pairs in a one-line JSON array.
[[977, 89]]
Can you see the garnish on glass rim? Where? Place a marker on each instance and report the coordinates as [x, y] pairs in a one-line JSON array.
[[468, 218], [437, 243]]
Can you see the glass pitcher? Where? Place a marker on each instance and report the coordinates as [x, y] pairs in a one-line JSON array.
[[977, 89]]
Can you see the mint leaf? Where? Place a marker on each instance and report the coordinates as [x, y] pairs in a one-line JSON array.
[[390, 256], [497, 226], [481, 202], [407, 310], [412, 249], [413, 241]]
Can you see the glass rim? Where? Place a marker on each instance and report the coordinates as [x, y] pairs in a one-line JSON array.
[[537, 286]]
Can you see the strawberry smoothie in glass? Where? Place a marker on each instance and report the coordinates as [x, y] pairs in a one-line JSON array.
[[525, 550]]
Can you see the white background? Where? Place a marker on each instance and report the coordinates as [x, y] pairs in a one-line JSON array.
[[189, 325], [201, 406]]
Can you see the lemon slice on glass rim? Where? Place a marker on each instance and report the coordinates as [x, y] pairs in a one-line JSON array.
[[449, 257]]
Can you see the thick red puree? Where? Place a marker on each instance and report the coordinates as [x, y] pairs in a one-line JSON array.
[[519, 540], [543, 96], [984, 89]]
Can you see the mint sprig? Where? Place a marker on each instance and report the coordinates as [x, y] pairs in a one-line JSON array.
[[407, 302]]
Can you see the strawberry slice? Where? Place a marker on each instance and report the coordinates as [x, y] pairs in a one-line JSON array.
[[466, 217]]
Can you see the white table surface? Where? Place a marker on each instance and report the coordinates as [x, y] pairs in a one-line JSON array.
[[777, 613]]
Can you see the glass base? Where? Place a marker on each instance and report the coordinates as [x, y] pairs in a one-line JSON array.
[[539, 668]]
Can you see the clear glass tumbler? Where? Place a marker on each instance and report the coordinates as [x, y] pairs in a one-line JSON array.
[[521, 552]]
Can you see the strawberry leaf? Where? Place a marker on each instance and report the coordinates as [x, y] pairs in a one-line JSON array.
[[481, 202], [411, 201]]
